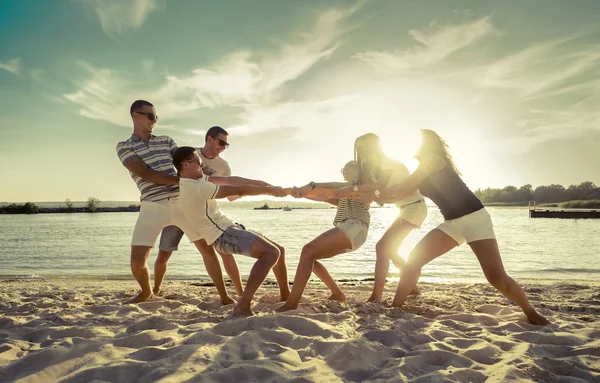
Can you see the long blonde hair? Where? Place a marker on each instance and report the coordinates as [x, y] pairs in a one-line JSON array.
[[368, 155], [434, 144]]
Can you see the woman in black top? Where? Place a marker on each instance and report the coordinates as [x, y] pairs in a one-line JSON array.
[[465, 220]]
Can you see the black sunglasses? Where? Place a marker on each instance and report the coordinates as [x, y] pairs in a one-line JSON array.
[[151, 116], [221, 142]]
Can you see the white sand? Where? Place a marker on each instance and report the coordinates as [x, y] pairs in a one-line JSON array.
[[77, 331]]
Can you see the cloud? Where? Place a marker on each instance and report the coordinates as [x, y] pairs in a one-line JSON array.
[[120, 16], [435, 44], [545, 69], [12, 65], [246, 80]]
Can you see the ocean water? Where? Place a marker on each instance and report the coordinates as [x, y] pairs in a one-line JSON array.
[[98, 245]]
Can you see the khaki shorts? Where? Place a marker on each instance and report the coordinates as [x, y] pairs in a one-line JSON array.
[[154, 216], [472, 227], [356, 231], [414, 213]]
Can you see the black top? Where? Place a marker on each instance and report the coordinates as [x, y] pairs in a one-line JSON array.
[[448, 191]]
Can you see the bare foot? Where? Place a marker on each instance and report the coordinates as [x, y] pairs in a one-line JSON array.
[[537, 319], [242, 312], [337, 297], [156, 291], [375, 299], [415, 291], [227, 301], [141, 297], [284, 308]]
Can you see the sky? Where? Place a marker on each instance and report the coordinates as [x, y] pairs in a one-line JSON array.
[[513, 87]]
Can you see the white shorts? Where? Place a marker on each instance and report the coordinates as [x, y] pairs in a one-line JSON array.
[[356, 231], [154, 216], [414, 213], [472, 227]]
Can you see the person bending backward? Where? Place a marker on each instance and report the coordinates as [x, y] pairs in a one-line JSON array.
[[215, 142], [384, 172], [350, 233], [465, 220], [197, 201]]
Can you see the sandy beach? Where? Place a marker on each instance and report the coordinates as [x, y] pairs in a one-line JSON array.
[[77, 330]]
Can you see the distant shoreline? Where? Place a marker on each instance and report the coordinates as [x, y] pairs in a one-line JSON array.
[[34, 208]]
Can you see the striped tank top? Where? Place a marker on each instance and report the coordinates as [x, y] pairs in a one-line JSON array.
[[352, 209]]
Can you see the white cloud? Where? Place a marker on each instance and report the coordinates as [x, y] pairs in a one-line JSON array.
[[12, 65], [120, 16], [244, 79], [435, 45], [546, 69]]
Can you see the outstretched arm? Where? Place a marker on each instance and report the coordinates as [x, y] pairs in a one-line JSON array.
[[227, 190], [236, 181], [367, 187], [411, 184], [322, 195], [304, 190]]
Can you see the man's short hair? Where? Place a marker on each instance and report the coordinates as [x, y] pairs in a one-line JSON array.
[[214, 132], [137, 105], [182, 154]]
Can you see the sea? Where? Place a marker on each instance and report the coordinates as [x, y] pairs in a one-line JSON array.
[[98, 245]]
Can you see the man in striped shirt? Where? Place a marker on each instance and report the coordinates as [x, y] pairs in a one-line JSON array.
[[149, 159]]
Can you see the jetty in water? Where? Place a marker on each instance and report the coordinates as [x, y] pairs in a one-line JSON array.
[[537, 212]]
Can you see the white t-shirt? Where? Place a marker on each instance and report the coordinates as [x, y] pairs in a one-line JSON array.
[[217, 166], [196, 198], [399, 174]]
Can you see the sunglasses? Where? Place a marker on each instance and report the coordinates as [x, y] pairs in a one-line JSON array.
[[221, 142], [151, 116]]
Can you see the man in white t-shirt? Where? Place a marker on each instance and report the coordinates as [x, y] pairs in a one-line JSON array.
[[197, 201], [215, 142]]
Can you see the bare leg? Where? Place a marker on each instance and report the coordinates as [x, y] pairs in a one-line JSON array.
[[336, 293], [213, 268], [488, 254], [280, 271], [141, 273], [434, 244], [326, 245], [160, 269], [387, 249], [232, 270], [267, 255]]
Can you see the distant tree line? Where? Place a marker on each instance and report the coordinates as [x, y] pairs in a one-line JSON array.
[[91, 206], [585, 191]]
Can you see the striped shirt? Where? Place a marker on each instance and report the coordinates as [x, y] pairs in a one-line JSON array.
[[352, 209], [158, 156]]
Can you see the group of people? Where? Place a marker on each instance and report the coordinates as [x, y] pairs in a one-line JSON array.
[[179, 187]]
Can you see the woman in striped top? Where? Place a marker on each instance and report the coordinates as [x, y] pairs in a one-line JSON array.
[[351, 223], [382, 172]]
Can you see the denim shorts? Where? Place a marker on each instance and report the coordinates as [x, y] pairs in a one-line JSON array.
[[170, 238], [236, 240]]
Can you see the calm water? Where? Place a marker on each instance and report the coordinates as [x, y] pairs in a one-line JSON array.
[[98, 244]]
